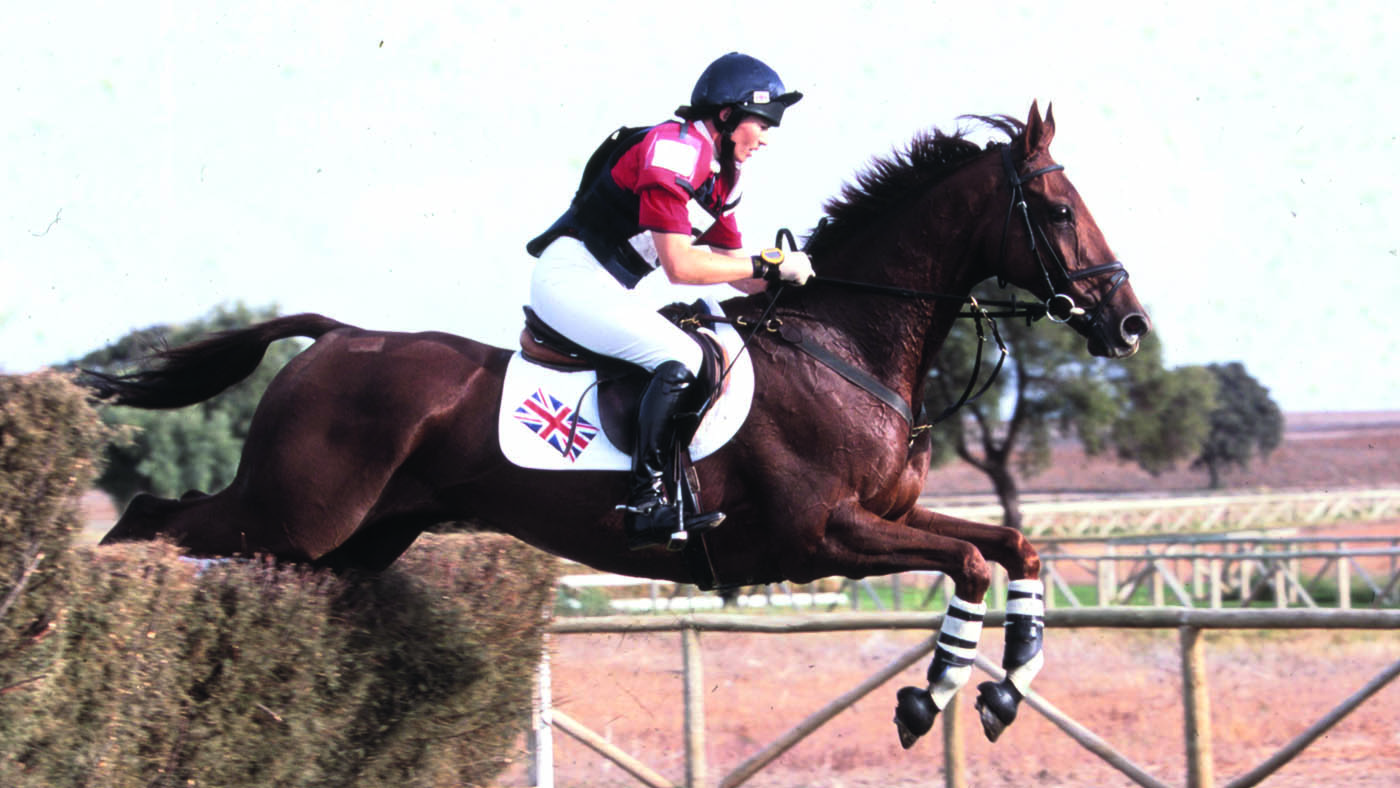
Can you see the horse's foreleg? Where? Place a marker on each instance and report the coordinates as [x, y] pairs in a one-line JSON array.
[[870, 544], [996, 543], [949, 670], [1023, 655]]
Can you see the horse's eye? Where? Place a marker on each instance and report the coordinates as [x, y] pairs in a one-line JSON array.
[[1061, 213]]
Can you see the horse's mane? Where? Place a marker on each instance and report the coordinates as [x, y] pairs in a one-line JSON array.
[[890, 181]]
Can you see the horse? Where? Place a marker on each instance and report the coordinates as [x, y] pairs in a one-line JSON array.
[[367, 438]]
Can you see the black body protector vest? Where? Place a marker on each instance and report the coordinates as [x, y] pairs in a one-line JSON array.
[[605, 216]]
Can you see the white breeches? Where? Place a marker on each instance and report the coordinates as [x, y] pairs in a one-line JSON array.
[[577, 297]]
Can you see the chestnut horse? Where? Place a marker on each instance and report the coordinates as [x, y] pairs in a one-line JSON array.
[[367, 438]]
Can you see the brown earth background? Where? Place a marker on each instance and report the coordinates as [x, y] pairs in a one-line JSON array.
[[1266, 687]]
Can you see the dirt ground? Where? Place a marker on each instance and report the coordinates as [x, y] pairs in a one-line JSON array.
[[1266, 687]]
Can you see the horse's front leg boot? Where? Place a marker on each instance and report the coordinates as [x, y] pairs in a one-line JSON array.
[[949, 670], [997, 702]]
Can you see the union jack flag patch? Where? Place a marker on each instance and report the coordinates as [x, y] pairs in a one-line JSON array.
[[552, 420]]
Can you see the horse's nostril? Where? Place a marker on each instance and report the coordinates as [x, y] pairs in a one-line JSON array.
[[1134, 326]]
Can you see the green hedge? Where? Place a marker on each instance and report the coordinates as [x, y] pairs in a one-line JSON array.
[[129, 666]]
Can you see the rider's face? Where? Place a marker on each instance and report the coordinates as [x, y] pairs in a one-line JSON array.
[[749, 136]]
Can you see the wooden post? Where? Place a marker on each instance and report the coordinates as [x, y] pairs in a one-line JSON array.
[[1107, 586], [1198, 571], [1343, 582], [1215, 583], [695, 772], [1200, 767], [1295, 571], [541, 738], [1281, 584], [954, 758], [1159, 596]]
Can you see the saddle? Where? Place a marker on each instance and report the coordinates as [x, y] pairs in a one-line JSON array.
[[620, 386], [620, 383]]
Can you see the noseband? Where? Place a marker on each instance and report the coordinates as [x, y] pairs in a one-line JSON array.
[[1060, 306]]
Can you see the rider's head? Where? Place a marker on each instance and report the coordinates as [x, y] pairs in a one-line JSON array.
[[739, 90]]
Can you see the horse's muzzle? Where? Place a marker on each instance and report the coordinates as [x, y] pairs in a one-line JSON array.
[[1108, 340]]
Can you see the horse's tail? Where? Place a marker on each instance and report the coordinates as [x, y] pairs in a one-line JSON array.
[[197, 371]]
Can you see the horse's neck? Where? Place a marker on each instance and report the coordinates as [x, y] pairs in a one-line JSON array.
[[897, 338]]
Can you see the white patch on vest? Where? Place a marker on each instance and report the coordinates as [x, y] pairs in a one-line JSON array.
[[677, 157], [646, 247]]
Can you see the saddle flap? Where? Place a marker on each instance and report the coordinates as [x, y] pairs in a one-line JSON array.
[[606, 401]]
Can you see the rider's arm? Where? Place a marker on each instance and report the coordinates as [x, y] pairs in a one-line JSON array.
[[688, 264]]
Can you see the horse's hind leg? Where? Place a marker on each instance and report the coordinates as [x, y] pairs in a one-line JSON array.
[[376, 545], [201, 524]]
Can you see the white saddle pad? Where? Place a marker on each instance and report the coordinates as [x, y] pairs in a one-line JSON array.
[[538, 406]]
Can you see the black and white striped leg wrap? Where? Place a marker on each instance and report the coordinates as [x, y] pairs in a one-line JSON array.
[[957, 647], [1025, 628]]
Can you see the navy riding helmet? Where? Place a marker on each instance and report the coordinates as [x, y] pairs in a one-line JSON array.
[[743, 82]]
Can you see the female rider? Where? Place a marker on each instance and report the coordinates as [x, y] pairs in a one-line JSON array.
[[662, 196]]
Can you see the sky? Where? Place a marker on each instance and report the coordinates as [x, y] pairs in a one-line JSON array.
[[384, 163]]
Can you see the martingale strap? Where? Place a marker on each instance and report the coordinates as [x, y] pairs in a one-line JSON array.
[[850, 372], [862, 379]]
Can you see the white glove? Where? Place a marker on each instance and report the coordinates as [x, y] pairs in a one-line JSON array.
[[776, 265], [796, 268]]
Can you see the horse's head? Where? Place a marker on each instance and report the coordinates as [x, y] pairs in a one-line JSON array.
[[1051, 246]]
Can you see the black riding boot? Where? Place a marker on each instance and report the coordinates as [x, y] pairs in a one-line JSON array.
[[650, 517]]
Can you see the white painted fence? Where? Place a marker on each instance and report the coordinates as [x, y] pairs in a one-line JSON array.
[[1142, 515]]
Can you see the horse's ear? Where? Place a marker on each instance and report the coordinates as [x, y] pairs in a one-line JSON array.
[[1039, 132]]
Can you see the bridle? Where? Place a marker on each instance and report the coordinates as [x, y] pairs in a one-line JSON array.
[[1060, 307]]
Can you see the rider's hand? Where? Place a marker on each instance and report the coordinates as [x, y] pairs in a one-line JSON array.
[[775, 265], [797, 268]]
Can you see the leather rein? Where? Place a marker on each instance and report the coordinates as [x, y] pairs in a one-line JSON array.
[[1060, 308]]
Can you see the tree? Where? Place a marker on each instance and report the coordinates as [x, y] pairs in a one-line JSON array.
[[1166, 413], [194, 448], [1246, 420], [1050, 388]]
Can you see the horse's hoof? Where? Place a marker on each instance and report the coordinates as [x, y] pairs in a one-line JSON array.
[[913, 714], [996, 705]]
